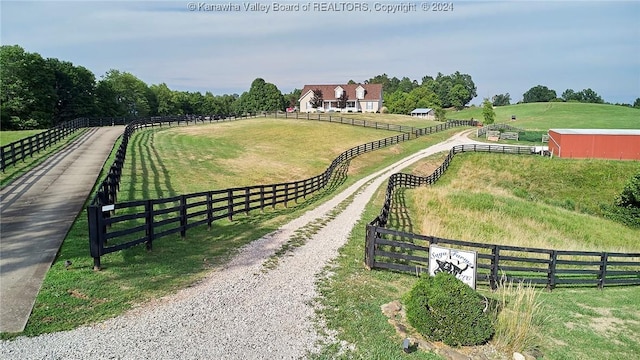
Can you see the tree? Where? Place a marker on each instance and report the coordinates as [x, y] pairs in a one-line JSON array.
[[262, 96], [458, 96], [351, 82], [165, 99], [293, 98], [584, 96], [590, 96], [440, 114], [342, 100], [539, 93], [74, 87], [129, 92], [316, 100], [501, 99], [636, 103], [27, 94], [630, 196], [487, 112], [569, 95]]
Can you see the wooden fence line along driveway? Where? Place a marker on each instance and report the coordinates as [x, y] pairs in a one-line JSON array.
[[37, 211], [407, 252]]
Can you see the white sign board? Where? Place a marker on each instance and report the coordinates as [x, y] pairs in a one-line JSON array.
[[460, 263]]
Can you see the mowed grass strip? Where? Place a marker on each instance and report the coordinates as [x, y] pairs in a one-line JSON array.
[[544, 116], [182, 160]]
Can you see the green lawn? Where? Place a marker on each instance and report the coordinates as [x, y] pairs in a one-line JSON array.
[[544, 116], [7, 137]]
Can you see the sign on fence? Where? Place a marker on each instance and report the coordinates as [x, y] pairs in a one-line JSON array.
[[459, 263]]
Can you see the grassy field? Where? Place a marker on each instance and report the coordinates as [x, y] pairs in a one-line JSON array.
[[235, 154], [584, 323], [544, 116], [397, 119], [70, 298], [7, 137]]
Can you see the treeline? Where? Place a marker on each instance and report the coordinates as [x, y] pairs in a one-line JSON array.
[[401, 96], [541, 93], [38, 93]]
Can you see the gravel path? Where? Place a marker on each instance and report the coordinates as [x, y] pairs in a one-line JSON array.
[[239, 311]]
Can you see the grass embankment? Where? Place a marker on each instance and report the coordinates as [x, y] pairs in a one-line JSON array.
[[78, 296], [14, 171], [544, 116], [475, 200]]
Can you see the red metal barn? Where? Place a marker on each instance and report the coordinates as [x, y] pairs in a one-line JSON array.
[[595, 143]]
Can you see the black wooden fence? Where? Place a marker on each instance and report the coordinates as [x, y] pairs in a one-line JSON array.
[[116, 226], [22, 149], [407, 252], [108, 189], [407, 180]]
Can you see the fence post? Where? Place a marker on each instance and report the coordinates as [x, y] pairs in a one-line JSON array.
[[230, 204], [209, 210], [148, 208], [604, 258], [495, 258], [94, 235], [247, 199], [370, 247], [183, 215], [551, 284]]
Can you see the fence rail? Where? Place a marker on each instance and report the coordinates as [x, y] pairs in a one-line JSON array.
[[22, 149], [408, 180], [407, 252], [116, 226]]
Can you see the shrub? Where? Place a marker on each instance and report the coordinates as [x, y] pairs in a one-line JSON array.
[[443, 308], [519, 316]]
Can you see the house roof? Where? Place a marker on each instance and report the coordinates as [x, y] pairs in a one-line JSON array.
[[372, 91], [421, 111], [596, 131]]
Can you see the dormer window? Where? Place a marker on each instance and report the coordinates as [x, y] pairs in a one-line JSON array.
[[360, 92], [339, 91]]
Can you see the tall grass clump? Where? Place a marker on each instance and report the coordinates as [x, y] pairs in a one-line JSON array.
[[519, 316]]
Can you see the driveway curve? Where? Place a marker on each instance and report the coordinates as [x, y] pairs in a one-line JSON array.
[[239, 311], [36, 212]]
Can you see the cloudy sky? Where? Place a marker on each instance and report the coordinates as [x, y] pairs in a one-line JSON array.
[[199, 46]]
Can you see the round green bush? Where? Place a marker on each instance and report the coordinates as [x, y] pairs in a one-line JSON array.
[[443, 308]]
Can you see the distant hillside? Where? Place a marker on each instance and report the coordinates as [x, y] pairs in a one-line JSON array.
[[544, 116]]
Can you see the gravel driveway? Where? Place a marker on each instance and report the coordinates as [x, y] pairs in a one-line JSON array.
[[239, 311]]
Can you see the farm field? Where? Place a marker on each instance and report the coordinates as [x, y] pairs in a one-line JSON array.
[[476, 201], [69, 299], [182, 160], [544, 116], [396, 119]]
